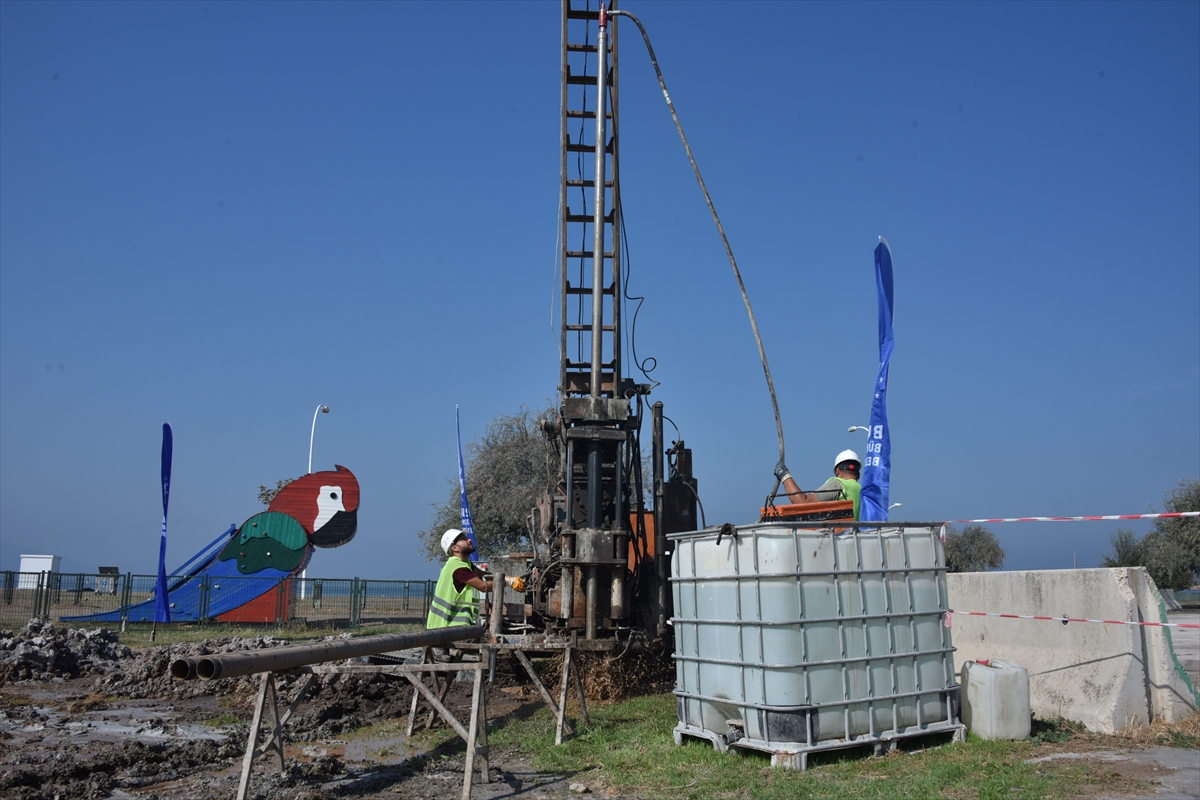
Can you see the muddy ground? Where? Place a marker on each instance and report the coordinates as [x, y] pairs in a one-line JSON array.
[[82, 716]]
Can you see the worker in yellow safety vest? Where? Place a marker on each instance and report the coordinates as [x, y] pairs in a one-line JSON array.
[[456, 598]]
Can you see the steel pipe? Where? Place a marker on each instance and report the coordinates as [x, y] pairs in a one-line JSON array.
[[497, 617], [566, 586], [662, 565], [598, 205], [184, 669], [595, 484], [616, 599], [232, 665], [593, 589]]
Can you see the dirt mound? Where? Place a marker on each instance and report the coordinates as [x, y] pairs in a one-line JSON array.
[[41, 651], [336, 703], [340, 703], [96, 771], [148, 674]]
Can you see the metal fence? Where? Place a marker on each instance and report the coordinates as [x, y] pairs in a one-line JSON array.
[[323, 602]]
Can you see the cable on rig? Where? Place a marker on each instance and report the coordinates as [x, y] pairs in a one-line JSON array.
[[762, 353]]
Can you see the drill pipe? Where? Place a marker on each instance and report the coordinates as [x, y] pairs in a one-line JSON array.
[[280, 658]]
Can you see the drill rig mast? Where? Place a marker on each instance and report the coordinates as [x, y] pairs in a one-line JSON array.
[[602, 560]]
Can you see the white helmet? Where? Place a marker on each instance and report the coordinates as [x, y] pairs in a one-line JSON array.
[[449, 538], [847, 455]]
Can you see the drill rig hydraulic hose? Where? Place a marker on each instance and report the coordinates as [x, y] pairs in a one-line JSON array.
[[762, 353]]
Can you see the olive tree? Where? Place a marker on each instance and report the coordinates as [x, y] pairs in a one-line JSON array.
[[1127, 550], [266, 495], [507, 472], [1171, 550], [973, 549]]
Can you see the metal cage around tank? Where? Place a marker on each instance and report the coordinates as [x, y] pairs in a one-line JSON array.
[[793, 638]]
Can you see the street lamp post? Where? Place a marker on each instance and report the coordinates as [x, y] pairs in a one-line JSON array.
[[320, 410]]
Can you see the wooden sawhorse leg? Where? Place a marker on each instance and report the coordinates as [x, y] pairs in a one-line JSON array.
[[268, 694], [477, 724], [541, 687]]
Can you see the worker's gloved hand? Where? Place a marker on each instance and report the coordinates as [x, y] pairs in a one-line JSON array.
[[517, 584], [781, 471]]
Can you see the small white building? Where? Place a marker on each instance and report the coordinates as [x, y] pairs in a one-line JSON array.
[[32, 566]]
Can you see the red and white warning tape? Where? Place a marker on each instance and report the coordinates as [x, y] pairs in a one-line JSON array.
[[1166, 515], [1065, 620]]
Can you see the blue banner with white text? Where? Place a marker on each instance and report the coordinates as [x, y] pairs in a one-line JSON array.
[[162, 607], [877, 464], [467, 526]]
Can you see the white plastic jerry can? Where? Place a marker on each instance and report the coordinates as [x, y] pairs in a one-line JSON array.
[[995, 702]]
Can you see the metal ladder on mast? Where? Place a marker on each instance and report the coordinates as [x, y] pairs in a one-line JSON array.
[[594, 396], [577, 185]]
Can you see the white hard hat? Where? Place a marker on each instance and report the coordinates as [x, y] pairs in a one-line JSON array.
[[449, 538], [847, 455]]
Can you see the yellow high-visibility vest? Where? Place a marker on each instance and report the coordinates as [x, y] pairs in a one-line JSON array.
[[451, 607]]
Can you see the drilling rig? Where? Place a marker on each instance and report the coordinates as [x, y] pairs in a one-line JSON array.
[[600, 564]]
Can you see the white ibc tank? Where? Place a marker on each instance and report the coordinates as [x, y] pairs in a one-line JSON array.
[[786, 634], [996, 699]]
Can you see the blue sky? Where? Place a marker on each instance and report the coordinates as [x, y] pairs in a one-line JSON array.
[[224, 214]]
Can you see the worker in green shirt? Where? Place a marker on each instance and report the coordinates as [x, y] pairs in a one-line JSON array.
[[843, 485]]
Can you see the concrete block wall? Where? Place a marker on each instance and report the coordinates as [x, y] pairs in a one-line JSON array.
[[1106, 677], [1173, 693]]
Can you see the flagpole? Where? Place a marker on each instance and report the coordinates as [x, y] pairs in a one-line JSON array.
[[877, 465], [162, 607], [468, 526]]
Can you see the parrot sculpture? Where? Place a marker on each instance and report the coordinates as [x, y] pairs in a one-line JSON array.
[[316, 510]]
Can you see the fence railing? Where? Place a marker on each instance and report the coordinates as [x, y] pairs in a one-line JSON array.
[[102, 599]]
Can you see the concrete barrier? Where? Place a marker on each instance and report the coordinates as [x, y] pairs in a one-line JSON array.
[[1173, 695], [1106, 677]]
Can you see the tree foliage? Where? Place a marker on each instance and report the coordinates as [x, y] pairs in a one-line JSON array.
[[507, 472], [1127, 550], [265, 495], [974, 549], [1172, 547], [1170, 552]]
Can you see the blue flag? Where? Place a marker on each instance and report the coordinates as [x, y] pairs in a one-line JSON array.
[[467, 526], [162, 609], [877, 465]]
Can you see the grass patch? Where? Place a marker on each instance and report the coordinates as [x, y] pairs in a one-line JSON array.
[[1176, 738], [630, 747], [1185, 734], [90, 702], [377, 628], [377, 730], [224, 720], [1051, 731], [10, 699]]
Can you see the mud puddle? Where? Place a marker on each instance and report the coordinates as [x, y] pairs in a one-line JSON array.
[[140, 720]]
